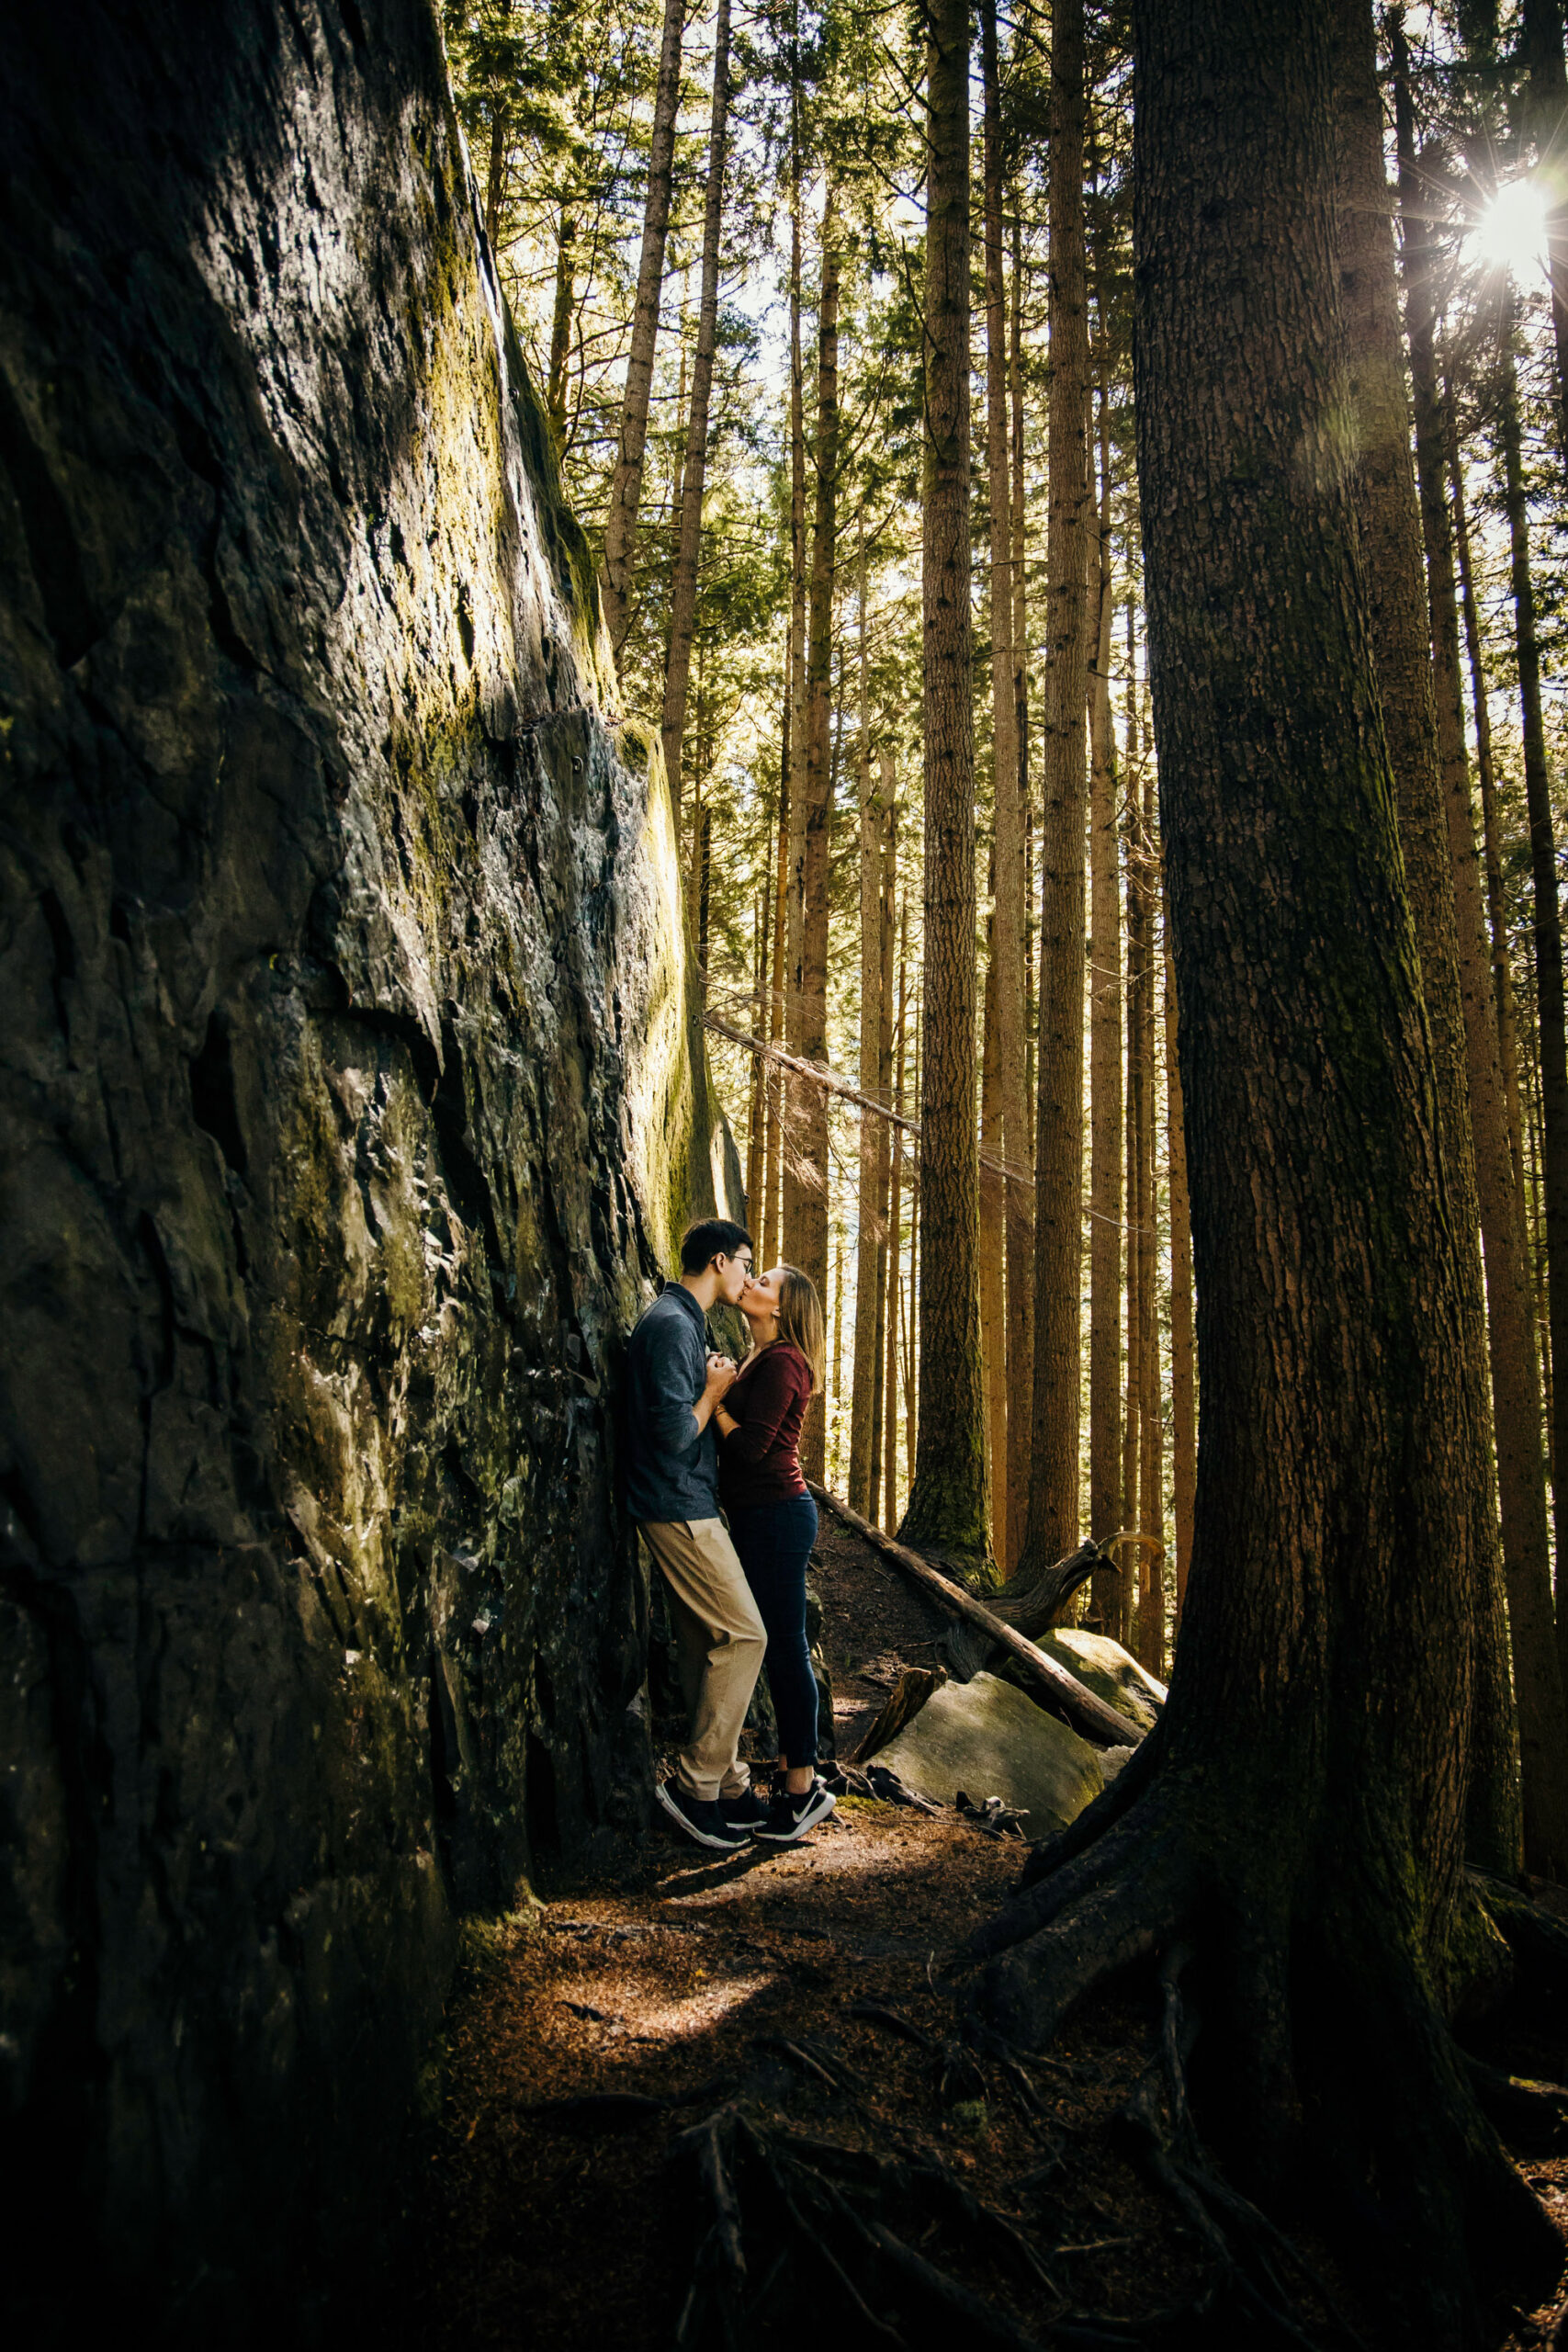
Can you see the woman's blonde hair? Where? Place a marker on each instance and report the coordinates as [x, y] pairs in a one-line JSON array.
[[800, 1320]]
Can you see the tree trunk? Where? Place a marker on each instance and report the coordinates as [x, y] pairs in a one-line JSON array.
[[1151, 1422], [993, 1252], [625, 483], [888, 1516], [495, 178], [1496, 907], [1010, 1457], [1133, 1406], [757, 1112], [887, 827], [1403, 654], [1540, 51], [794, 1093], [864, 1456], [1542, 1720], [1302, 1839], [806, 1241], [948, 1510], [1105, 1095], [769, 1235], [1552, 1044], [1058, 1217], [560, 329], [1183, 1411], [683, 587]]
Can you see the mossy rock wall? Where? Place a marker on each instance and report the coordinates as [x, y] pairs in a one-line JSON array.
[[353, 1100]]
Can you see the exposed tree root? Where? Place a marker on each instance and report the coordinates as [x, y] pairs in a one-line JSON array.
[[1532, 2116], [1329, 2070]]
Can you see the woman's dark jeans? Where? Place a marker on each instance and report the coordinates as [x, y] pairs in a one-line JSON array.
[[774, 1542]]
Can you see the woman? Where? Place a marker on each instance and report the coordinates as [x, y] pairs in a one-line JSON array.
[[773, 1520]]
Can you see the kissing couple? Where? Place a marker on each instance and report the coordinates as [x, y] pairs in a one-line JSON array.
[[702, 1438]]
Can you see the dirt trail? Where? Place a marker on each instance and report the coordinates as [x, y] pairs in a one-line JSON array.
[[684, 1980]]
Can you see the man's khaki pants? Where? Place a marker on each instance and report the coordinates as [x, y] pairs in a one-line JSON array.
[[719, 1643]]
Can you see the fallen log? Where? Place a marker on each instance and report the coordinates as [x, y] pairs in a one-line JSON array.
[[1064, 1693]]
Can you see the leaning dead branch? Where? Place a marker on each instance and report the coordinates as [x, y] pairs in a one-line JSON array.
[[1061, 1693]]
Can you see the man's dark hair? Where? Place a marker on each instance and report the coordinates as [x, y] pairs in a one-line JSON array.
[[716, 1236]]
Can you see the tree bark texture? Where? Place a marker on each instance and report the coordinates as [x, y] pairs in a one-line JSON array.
[[1403, 653], [806, 1239], [1183, 1400], [794, 1093], [767, 1239], [1328, 1631], [1105, 1108], [864, 1456], [1540, 47], [1151, 1420], [683, 587], [1552, 1043], [888, 1516], [993, 1253], [1010, 1466], [949, 1508], [1496, 905], [1058, 1213], [625, 483]]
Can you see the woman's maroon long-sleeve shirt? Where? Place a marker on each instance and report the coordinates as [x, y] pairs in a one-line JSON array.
[[759, 1461]]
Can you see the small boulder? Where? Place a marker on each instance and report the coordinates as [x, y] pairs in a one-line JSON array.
[[1112, 1673], [989, 1739]]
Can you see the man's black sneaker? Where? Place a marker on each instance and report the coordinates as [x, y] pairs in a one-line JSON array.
[[701, 1819], [746, 1810], [790, 1817]]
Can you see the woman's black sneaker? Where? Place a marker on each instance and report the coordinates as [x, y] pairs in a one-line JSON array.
[[746, 1810], [702, 1819], [790, 1817]]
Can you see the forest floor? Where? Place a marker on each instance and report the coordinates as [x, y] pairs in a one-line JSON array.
[[658, 1973]]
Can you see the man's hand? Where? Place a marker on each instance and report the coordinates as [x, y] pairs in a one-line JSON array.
[[721, 1372]]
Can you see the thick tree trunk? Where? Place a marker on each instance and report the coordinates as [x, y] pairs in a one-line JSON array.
[[1403, 652], [948, 1511], [1551, 1042], [1058, 1215], [863, 1456], [1304, 1843], [625, 483], [806, 1240], [683, 587], [1010, 1456], [1105, 1098]]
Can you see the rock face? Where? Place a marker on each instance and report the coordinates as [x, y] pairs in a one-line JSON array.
[[349, 1113]]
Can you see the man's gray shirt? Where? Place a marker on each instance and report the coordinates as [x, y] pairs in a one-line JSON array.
[[672, 1465]]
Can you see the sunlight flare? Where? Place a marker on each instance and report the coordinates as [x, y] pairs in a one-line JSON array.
[[1511, 231]]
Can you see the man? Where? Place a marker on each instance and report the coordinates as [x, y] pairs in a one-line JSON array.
[[673, 1384]]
